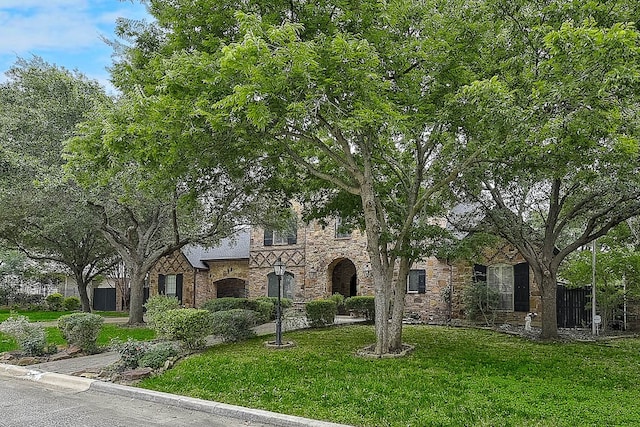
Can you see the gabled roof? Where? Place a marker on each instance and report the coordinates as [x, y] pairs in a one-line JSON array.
[[234, 247]]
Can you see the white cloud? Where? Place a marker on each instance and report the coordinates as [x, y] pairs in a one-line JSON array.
[[64, 32], [27, 25]]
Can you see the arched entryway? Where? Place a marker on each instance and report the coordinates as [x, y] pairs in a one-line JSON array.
[[344, 280], [235, 288]]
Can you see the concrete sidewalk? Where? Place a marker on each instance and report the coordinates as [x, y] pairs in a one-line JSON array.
[[59, 374]]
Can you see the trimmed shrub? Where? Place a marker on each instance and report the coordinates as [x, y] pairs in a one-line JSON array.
[[131, 351], [321, 312], [234, 325], [31, 338], [72, 303], [55, 302], [284, 303], [156, 306], [264, 307], [81, 329], [362, 306], [339, 300], [190, 326], [156, 356], [225, 304], [266, 310]]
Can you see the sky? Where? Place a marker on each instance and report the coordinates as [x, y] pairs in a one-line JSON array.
[[66, 33]]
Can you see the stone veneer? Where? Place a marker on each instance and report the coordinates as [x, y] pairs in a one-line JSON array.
[[198, 285], [312, 261], [318, 258]]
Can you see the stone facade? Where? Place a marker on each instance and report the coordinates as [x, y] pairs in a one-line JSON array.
[[218, 278], [320, 262]]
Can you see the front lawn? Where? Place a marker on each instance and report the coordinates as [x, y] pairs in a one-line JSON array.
[[50, 316], [455, 377], [107, 333]]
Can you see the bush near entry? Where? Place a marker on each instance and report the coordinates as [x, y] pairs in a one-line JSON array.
[[235, 325], [55, 302], [190, 326], [362, 306], [72, 303], [321, 312]]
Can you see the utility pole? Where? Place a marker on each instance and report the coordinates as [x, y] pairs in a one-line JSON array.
[[594, 326]]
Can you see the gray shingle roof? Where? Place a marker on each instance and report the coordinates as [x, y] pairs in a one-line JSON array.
[[235, 247]]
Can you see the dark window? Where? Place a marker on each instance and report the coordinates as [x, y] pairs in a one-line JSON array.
[[417, 282], [280, 238], [170, 285], [288, 282]]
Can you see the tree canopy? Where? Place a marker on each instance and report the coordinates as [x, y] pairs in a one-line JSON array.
[[49, 218], [560, 99], [345, 99]]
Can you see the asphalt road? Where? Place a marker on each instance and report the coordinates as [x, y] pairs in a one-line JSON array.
[[23, 403]]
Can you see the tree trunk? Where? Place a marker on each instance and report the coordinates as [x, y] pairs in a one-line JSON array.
[[136, 298], [81, 283], [549, 315], [397, 314]]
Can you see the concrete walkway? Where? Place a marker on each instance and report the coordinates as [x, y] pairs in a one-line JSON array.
[[58, 374]]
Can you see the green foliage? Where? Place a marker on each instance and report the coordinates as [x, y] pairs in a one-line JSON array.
[[49, 219], [263, 306], [156, 356], [190, 326], [156, 306], [81, 329], [339, 300], [480, 302], [268, 305], [55, 302], [321, 313], [224, 304], [362, 306], [234, 325], [131, 351], [31, 338], [72, 303]]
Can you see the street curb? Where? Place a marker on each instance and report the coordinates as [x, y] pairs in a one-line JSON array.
[[47, 378], [210, 407], [80, 384]]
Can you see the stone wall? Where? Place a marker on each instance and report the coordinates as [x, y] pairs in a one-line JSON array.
[[312, 261], [176, 263]]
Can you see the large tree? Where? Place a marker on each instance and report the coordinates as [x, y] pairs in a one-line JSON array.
[[348, 93], [43, 215], [560, 99], [158, 182]]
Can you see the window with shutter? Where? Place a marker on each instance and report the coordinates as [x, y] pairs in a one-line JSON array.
[[500, 278]]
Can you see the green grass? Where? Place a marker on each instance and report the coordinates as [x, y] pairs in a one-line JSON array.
[[49, 316], [107, 333], [455, 377]]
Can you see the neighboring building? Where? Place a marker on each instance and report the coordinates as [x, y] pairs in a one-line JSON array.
[[322, 259]]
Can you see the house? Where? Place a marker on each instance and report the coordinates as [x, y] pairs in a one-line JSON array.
[[196, 274], [322, 259]]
